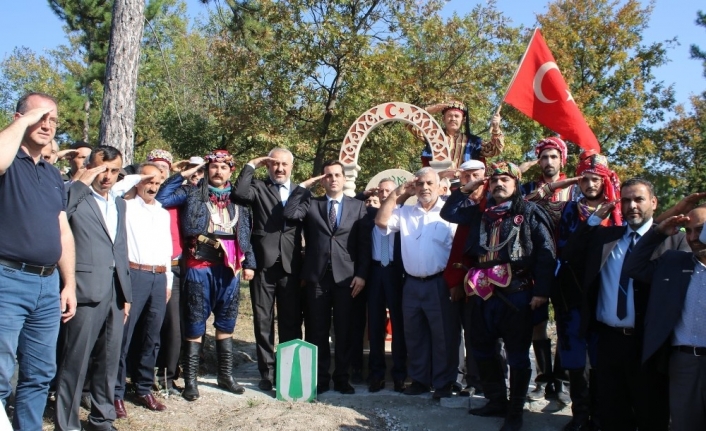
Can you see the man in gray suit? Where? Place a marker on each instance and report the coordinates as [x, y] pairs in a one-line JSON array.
[[103, 293]]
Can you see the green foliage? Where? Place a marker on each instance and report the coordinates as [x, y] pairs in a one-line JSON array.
[[297, 73]]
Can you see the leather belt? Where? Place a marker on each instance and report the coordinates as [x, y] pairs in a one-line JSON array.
[[618, 330], [696, 351], [42, 271], [426, 278], [154, 269]]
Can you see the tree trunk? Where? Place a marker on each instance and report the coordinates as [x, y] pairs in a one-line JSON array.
[[120, 94], [87, 111]]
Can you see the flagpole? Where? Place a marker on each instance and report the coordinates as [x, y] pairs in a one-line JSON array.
[[512, 81]]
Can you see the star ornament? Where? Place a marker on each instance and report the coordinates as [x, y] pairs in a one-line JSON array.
[[569, 97]]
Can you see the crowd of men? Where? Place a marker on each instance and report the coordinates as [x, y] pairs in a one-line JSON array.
[[111, 272]]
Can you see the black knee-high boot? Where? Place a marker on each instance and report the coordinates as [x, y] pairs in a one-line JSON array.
[[190, 368], [519, 382], [580, 401], [494, 388], [224, 350]]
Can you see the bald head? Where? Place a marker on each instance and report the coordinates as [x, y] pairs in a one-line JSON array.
[[697, 218]]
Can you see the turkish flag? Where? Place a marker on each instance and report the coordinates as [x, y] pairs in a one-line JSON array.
[[539, 91]]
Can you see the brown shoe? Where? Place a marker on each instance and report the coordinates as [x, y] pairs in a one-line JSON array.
[[120, 411], [151, 403]]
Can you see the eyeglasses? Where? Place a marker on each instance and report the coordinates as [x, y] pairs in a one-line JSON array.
[[53, 121]]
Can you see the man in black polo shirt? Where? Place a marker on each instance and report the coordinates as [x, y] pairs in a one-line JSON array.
[[36, 239]]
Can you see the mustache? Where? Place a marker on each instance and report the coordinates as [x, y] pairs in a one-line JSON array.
[[499, 188]]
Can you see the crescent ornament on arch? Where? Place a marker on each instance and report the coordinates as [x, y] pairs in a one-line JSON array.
[[539, 77], [388, 110]]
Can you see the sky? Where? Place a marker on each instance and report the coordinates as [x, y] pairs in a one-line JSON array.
[[667, 21]]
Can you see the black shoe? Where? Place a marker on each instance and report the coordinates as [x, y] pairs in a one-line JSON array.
[[376, 385], [265, 385], [400, 386], [416, 388], [357, 377], [576, 424], [496, 409], [88, 427], [345, 388], [539, 392], [321, 388], [558, 393], [442, 392]]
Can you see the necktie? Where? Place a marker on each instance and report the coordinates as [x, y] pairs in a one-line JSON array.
[[385, 250], [280, 189], [622, 311], [332, 216]]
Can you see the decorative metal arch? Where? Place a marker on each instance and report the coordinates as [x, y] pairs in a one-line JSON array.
[[385, 113]]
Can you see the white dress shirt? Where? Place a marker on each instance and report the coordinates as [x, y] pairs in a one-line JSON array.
[[607, 308], [426, 238], [109, 211], [149, 237], [284, 191]]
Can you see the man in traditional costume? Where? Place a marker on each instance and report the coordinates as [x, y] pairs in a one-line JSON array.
[[218, 249], [511, 251], [551, 154], [598, 186], [463, 144]]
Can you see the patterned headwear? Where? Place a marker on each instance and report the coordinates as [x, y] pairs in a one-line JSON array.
[[597, 164], [506, 168], [454, 104], [552, 143], [160, 156], [220, 156]]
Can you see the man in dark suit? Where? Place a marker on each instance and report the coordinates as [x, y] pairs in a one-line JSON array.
[[336, 265], [631, 396], [277, 243], [674, 326], [103, 293]]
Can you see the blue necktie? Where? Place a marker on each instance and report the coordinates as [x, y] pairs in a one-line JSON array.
[[332, 216], [624, 280], [385, 250]]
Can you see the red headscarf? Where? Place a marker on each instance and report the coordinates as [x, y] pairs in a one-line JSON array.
[[597, 164], [552, 143]]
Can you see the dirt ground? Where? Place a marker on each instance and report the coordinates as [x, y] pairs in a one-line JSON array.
[[258, 410]]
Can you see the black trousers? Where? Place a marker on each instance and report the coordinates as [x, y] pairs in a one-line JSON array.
[[322, 297], [384, 288], [359, 320], [170, 335], [631, 395], [687, 386], [270, 285]]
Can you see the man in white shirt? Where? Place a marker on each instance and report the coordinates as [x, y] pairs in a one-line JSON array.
[[426, 243], [150, 254]]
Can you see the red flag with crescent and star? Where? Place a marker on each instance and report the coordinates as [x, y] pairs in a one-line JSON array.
[[539, 91]]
